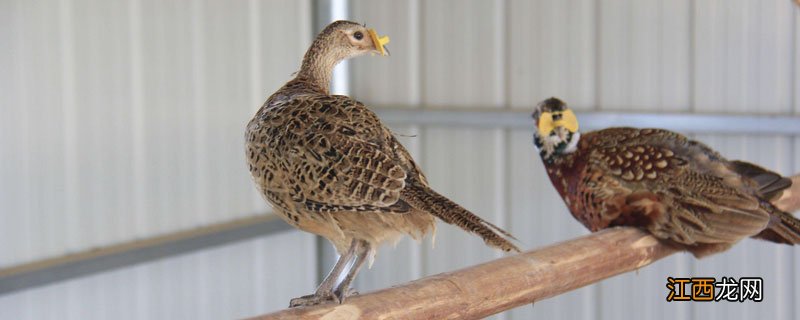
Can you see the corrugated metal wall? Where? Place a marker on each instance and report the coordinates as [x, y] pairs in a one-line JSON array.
[[122, 120]]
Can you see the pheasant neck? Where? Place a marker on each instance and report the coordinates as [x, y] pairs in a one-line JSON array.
[[552, 148], [318, 64]]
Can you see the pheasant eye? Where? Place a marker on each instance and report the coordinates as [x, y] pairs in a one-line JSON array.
[[358, 35]]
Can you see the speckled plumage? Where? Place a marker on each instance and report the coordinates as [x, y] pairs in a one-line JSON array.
[[678, 189], [329, 166]]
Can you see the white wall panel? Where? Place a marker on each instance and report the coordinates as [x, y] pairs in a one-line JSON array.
[[743, 53], [796, 58], [7, 85], [164, 127], [776, 48], [98, 130], [461, 164], [552, 51], [465, 165], [230, 282], [644, 54], [393, 80], [226, 106], [462, 53], [124, 119], [31, 167]]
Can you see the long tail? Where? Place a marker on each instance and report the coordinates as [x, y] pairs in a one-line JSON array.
[[426, 199], [782, 228], [770, 184]]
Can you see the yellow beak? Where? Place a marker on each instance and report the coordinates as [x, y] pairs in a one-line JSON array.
[[379, 42], [567, 120]]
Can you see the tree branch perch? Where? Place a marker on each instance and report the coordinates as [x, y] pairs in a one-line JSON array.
[[495, 286]]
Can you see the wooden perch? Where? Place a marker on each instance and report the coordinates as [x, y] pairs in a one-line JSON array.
[[479, 291]]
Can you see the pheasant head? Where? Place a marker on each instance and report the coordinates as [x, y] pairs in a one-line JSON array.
[[340, 40], [556, 129]]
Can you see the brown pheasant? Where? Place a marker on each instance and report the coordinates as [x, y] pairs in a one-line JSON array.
[[328, 166], [679, 190]]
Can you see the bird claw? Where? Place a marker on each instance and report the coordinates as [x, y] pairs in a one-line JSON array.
[[341, 297], [312, 300], [322, 298]]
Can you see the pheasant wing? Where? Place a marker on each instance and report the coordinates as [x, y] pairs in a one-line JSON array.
[[676, 188], [341, 156]]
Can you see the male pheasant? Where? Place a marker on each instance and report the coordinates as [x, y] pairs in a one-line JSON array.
[[679, 190]]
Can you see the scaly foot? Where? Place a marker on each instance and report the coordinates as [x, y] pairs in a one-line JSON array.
[[349, 293], [313, 299]]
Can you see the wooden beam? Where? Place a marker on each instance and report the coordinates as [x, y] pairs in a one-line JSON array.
[[482, 290]]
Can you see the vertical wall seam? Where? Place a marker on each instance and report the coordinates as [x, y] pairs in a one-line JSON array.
[[70, 121], [506, 63], [500, 62], [338, 10], [200, 116], [25, 214], [759, 17], [254, 26], [660, 58], [598, 39], [422, 57], [256, 84], [692, 54], [415, 97], [137, 118], [795, 48]]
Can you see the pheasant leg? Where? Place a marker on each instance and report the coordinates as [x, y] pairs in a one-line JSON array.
[[324, 292], [343, 290]]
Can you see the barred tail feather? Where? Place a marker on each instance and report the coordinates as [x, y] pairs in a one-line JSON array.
[[770, 184], [782, 228], [428, 200]]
